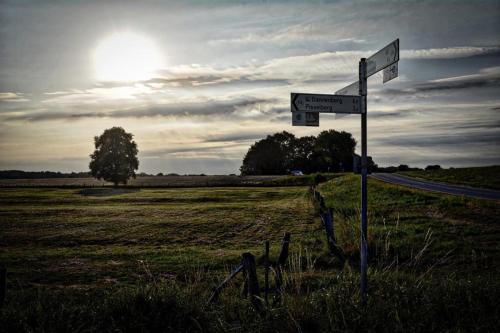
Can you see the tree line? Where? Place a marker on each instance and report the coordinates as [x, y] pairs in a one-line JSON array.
[[280, 153], [19, 174]]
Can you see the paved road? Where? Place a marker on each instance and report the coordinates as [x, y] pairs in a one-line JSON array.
[[437, 187]]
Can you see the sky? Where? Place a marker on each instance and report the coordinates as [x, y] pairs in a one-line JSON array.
[[198, 82]]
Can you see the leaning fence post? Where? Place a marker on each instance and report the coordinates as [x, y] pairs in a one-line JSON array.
[[217, 290], [3, 285], [252, 283], [327, 218], [328, 222]]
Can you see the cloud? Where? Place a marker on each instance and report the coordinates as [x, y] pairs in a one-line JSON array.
[[451, 138], [242, 107], [487, 77], [332, 66], [236, 137], [213, 80], [484, 78], [449, 52], [388, 114], [13, 97]]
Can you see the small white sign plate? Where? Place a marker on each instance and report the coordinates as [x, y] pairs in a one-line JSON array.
[[325, 103], [383, 58], [305, 118], [390, 72]]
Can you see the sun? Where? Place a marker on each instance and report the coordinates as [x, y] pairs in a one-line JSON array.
[[126, 56]]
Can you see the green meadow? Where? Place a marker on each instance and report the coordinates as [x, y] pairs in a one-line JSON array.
[[147, 260]]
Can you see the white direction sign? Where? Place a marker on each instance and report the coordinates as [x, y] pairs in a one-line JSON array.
[[305, 118], [390, 72], [352, 89], [383, 58], [325, 103]]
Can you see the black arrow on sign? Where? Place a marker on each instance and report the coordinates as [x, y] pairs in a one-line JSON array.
[[293, 101]]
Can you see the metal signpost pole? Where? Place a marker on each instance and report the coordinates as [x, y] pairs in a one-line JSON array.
[[307, 107], [364, 172]]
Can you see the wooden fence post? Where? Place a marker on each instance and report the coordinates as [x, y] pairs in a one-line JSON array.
[[3, 285], [322, 205], [285, 243], [252, 283]]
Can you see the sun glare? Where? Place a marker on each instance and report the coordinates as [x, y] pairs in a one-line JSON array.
[[126, 57]]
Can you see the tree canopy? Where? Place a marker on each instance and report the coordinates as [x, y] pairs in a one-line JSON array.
[[115, 156], [330, 151]]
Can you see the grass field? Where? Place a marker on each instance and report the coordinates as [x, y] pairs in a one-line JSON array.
[[147, 181], [147, 259], [487, 177]]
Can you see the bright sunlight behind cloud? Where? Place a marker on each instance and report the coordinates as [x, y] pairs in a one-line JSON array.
[[126, 57]]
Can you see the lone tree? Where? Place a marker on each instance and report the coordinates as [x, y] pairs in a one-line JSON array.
[[115, 156]]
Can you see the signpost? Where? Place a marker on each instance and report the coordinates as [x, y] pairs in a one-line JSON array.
[[345, 101], [383, 58], [325, 103]]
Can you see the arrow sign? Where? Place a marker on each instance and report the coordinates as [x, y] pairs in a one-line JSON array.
[[383, 58], [305, 119], [325, 103]]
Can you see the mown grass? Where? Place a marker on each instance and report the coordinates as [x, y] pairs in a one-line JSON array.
[[487, 177], [79, 238], [147, 260]]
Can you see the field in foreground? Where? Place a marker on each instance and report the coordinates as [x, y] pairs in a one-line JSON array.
[[147, 259]]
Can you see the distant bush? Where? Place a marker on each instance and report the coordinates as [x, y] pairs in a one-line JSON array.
[[389, 169], [312, 179], [319, 178], [433, 167], [403, 167]]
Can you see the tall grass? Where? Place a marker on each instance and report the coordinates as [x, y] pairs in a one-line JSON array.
[[311, 303]]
